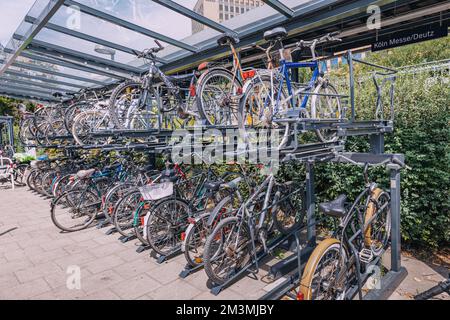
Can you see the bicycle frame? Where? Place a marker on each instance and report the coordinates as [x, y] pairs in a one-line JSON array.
[[284, 69]]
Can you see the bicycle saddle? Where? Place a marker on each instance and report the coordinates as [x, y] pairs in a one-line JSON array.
[[213, 185], [227, 38], [57, 94], [169, 175], [84, 174], [275, 34], [334, 208]]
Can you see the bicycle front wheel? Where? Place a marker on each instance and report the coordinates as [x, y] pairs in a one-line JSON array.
[[319, 280], [227, 250], [326, 105], [217, 97], [75, 210]]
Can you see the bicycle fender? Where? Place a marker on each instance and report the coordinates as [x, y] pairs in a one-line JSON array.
[[310, 266], [216, 210], [203, 75], [189, 229]]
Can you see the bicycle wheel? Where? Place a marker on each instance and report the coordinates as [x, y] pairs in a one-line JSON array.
[[227, 249], [19, 175], [256, 110], [139, 222], [30, 179], [75, 210], [193, 245], [218, 95], [61, 185], [166, 223], [125, 103], [25, 134], [289, 214], [112, 198], [72, 111], [378, 228], [319, 278], [124, 213], [87, 123], [326, 106]]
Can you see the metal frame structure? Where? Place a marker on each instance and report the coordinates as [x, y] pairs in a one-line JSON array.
[[9, 123], [302, 19]]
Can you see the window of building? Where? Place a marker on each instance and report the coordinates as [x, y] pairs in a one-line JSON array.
[[221, 7], [231, 9], [226, 16], [221, 16]]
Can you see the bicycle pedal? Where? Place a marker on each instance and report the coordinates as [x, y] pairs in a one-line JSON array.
[[366, 255]]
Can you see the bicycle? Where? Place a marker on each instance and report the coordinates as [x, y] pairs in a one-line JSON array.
[[141, 103], [271, 95], [219, 89], [363, 234], [236, 241]]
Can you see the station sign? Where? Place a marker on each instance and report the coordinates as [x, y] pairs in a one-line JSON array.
[[404, 37]]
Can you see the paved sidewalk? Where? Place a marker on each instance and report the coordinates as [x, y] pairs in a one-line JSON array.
[[35, 258]]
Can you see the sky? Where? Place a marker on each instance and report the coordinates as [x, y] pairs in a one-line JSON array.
[[142, 12], [11, 14]]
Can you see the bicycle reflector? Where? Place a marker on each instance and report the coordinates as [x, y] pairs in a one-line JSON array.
[[248, 74], [183, 236], [300, 296], [192, 91], [191, 220]]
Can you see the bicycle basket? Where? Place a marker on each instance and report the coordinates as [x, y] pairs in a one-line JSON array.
[[156, 191]]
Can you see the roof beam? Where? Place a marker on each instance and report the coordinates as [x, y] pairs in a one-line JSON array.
[[280, 7], [35, 84], [48, 80], [23, 88], [193, 15], [89, 38], [130, 26], [52, 72], [45, 16], [70, 64], [27, 95], [48, 48]]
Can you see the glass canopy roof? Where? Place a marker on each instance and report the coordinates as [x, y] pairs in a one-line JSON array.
[[66, 45]]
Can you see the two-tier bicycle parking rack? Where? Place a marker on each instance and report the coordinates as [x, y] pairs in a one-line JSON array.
[[286, 273], [6, 131]]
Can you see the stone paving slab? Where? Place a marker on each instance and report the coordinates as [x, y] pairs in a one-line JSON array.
[[35, 258]]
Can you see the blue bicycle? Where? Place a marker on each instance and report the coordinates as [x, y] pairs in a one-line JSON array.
[[271, 94]]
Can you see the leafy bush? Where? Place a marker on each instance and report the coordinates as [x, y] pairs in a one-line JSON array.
[[421, 132]]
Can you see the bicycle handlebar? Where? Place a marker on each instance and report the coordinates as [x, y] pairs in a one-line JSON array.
[[149, 53], [329, 37]]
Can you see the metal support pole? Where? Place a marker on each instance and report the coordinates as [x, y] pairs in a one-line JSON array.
[[11, 132], [377, 143], [310, 204], [395, 217], [352, 84]]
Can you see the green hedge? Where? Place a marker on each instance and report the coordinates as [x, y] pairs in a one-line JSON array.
[[422, 133]]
